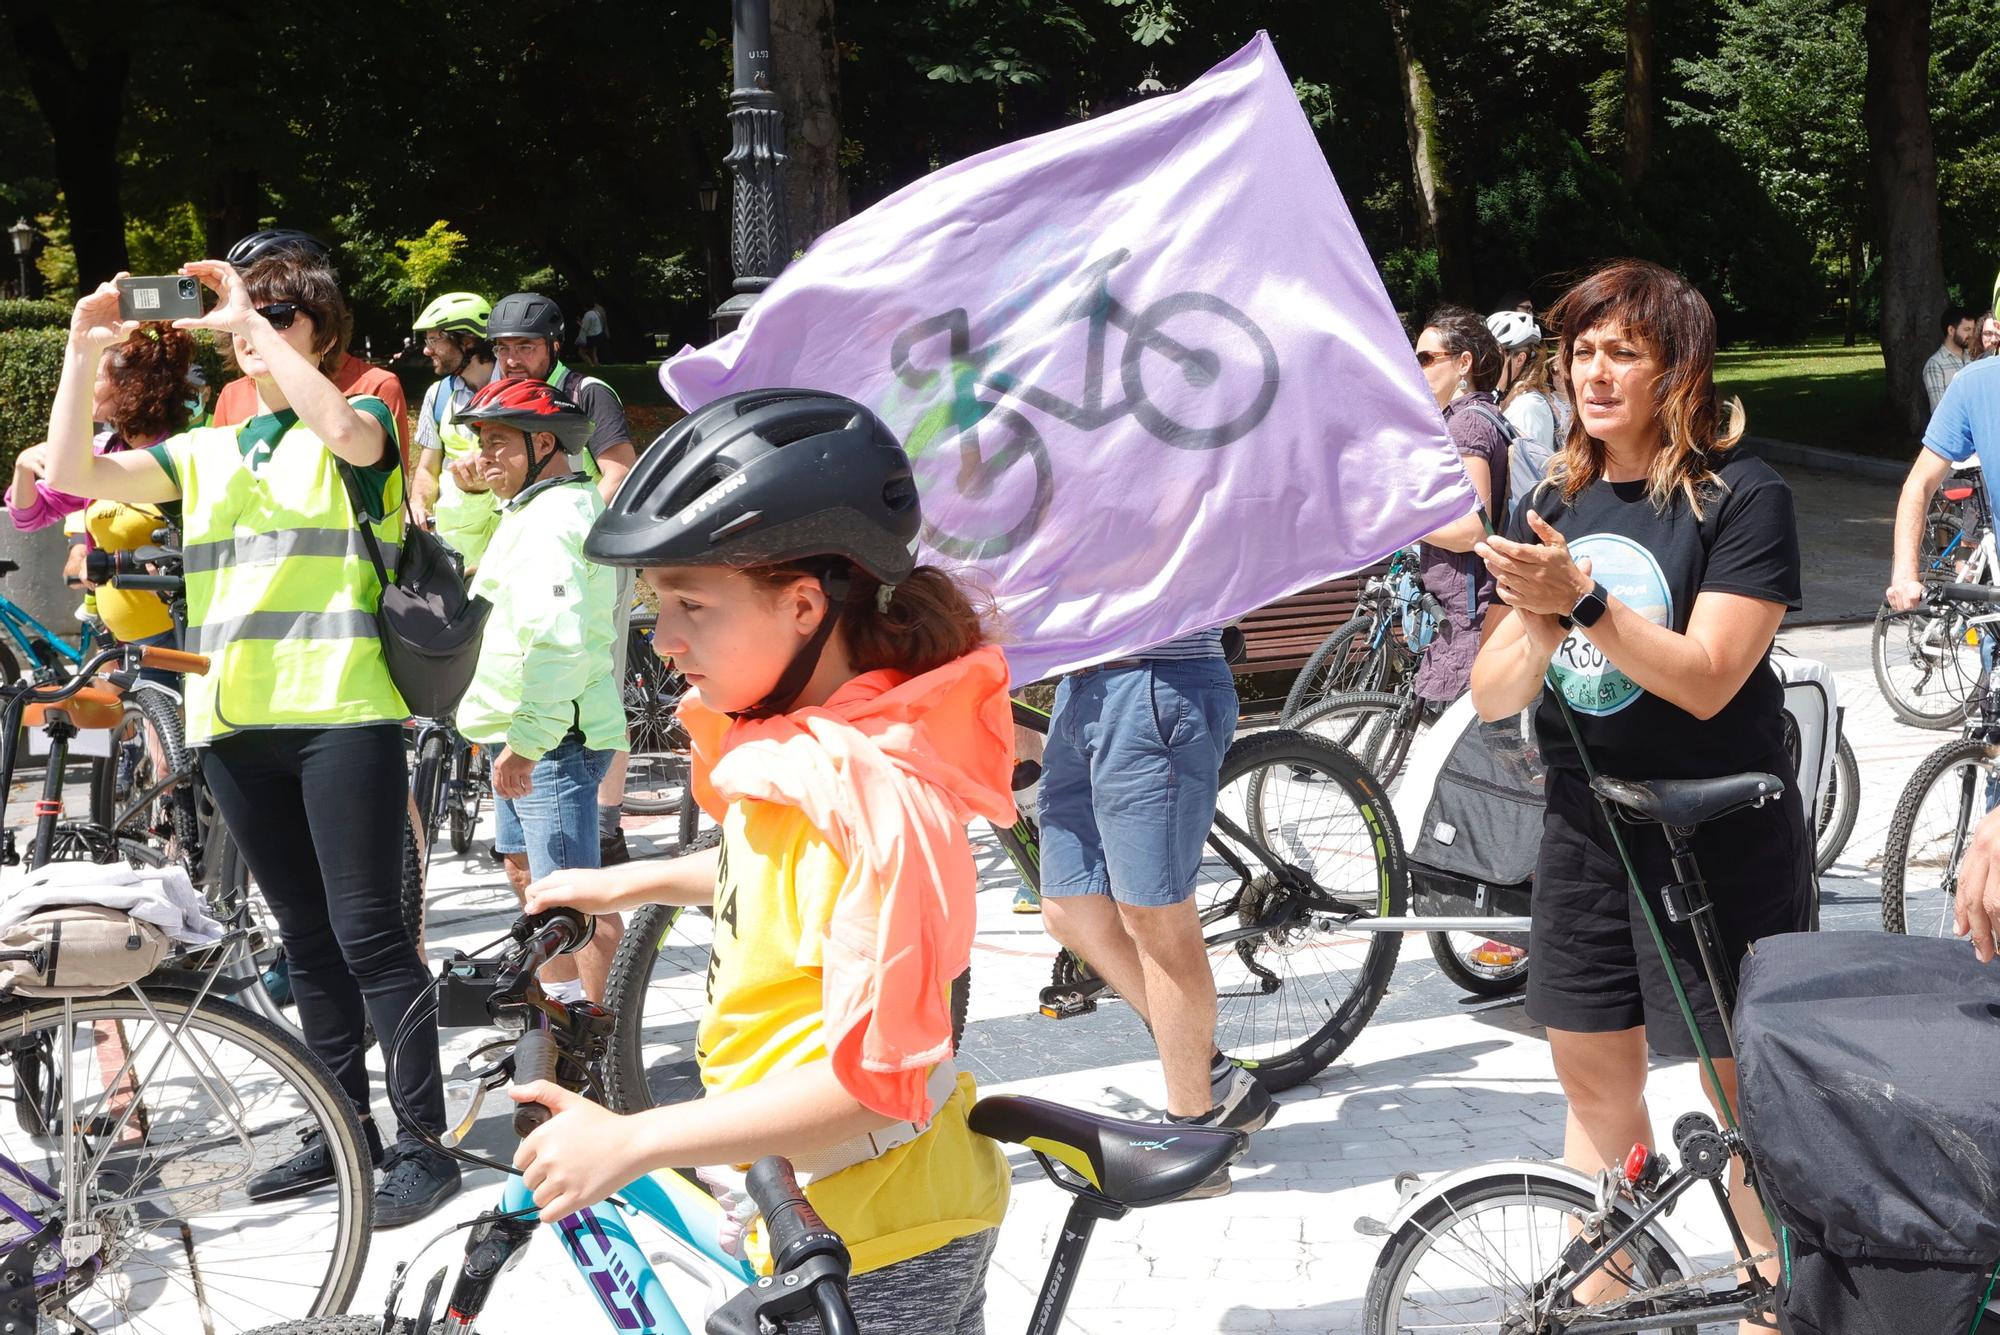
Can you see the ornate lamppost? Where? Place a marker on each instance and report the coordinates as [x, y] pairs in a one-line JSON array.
[[756, 159]]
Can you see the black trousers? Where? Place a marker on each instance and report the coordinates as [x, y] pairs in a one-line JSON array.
[[319, 814]]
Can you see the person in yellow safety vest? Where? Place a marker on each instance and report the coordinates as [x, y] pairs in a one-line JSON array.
[[541, 693], [526, 329], [298, 720], [445, 489]]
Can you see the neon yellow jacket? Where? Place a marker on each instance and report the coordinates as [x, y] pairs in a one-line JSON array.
[[545, 663]]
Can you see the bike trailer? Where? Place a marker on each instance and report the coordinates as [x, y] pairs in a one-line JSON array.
[[1470, 804], [1870, 1091]]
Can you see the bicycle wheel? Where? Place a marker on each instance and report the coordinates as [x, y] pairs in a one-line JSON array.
[[429, 778], [177, 1105], [1927, 671], [1377, 728], [466, 798], [656, 774], [1955, 786], [980, 505], [1350, 659], [1459, 958], [147, 754], [1293, 988], [1838, 806], [1474, 1259]]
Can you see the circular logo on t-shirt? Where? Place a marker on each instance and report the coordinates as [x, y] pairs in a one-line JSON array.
[[1628, 573]]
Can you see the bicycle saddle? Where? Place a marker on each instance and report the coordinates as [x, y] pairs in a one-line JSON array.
[[1688, 802], [1132, 1163]]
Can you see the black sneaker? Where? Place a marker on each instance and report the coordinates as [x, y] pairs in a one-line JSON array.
[[1241, 1103], [611, 850], [415, 1181], [310, 1168]]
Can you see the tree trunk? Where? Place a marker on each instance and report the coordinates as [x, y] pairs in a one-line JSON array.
[[1420, 123], [1855, 262], [805, 65], [84, 105], [1640, 103], [1902, 163], [234, 207]]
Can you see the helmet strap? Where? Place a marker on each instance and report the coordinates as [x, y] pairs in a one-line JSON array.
[[535, 466], [806, 661]]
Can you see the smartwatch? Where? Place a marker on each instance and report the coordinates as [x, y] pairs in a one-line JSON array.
[[1588, 608]]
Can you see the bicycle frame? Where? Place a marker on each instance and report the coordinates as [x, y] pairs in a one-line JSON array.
[[29, 633]]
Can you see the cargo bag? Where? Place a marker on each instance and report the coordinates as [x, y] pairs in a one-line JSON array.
[[1870, 1079]]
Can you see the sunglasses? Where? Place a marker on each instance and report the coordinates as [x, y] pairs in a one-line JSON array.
[[282, 313], [1426, 359]]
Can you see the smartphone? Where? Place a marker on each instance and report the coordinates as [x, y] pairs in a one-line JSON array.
[[169, 298]]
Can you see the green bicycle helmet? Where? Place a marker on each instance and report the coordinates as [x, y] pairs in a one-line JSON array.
[[456, 312]]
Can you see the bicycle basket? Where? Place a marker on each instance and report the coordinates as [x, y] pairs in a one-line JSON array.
[[1870, 1078]]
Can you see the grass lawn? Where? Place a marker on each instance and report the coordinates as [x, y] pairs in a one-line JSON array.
[[1818, 393]]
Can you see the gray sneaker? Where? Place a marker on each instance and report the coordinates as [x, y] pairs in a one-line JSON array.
[[1240, 1102]]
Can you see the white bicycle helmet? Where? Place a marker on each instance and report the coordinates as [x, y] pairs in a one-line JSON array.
[[1513, 329]]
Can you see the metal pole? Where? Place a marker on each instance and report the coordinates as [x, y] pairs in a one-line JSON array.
[[756, 161]]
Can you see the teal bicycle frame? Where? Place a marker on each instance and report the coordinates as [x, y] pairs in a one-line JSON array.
[[34, 637]]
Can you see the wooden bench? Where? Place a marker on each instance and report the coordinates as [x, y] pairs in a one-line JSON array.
[[1281, 636]]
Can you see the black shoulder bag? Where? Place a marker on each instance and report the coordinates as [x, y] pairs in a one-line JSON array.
[[430, 626]]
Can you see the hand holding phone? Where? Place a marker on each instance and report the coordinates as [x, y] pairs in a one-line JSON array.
[[173, 297]]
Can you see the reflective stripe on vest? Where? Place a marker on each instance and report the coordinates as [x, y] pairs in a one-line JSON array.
[[262, 548], [281, 593]]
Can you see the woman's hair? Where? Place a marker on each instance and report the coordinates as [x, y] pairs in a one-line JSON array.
[[1656, 306], [289, 274], [1462, 331], [148, 375], [930, 619], [1534, 377]]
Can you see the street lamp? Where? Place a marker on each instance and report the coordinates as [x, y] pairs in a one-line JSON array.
[[708, 194], [758, 235], [23, 237]]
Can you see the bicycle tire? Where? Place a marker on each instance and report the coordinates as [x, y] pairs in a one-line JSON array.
[[1335, 668], [1838, 808], [1414, 1239], [428, 778], [336, 1325], [1377, 728], [298, 1072], [658, 745], [1895, 632], [1467, 975], [465, 800], [1897, 851], [1163, 425], [161, 712], [1284, 751], [976, 483], [631, 1083], [410, 890]]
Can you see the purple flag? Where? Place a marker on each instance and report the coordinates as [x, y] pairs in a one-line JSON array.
[[1145, 369]]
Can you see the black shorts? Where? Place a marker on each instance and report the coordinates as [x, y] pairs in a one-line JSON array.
[[1593, 966]]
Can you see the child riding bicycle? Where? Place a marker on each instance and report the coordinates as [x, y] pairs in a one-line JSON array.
[[846, 719]]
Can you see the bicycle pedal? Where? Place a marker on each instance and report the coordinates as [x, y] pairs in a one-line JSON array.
[[1065, 1003]]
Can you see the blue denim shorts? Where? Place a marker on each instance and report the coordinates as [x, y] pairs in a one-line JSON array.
[[556, 823], [1129, 779]]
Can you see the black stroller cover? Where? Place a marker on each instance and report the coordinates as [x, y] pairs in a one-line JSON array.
[[1870, 1089]]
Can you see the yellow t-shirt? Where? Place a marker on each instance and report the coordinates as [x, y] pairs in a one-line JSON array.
[[131, 614], [774, 895]]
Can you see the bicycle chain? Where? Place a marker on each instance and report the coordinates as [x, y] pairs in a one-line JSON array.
[[1609, 1306]]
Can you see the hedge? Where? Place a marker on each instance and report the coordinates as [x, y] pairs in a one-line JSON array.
[[30, 366], [33, 315]]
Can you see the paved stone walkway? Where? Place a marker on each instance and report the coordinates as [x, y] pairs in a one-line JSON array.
[[1433, 1083]]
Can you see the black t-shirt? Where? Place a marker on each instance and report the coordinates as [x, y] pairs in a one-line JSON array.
[[600, 404], [1746, 542]]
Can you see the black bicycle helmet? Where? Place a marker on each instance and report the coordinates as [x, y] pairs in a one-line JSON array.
[[767, 477], [524, 315], [257, 245], [771, 477]]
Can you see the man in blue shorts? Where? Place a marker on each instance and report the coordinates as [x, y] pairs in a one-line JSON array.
[[1128, 795]]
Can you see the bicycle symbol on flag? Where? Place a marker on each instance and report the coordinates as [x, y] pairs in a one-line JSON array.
[[1195, 372]]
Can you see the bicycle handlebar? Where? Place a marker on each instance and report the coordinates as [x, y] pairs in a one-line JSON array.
[[1967, 593], [534, 1059], [172, 660]]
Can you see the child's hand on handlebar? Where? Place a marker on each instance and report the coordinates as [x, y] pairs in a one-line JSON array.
[[591, 889], [576, 1158]]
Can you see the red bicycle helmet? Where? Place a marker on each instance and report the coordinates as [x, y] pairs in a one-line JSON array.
[[530, 406]]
